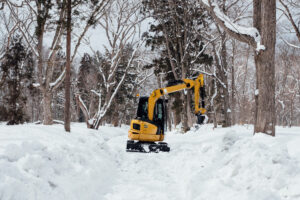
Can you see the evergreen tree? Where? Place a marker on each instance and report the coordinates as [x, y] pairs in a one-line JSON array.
[[90, 78], [18, 67], [176, 35], [125, 98]]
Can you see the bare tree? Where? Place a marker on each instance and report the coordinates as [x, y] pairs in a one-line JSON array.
[[291, 11], [217, 40], [287, 86], [121, 24], [35, 19], [262, 37], [245, 85]]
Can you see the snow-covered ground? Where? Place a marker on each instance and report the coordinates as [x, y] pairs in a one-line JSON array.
[[43, 162]]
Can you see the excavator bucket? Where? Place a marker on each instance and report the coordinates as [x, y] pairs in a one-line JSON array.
[[146, 147]]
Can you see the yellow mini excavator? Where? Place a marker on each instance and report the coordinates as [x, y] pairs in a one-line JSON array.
[[150, 123]]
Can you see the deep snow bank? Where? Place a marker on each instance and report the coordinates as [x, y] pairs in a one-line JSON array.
[[44, 162], [241, 166]]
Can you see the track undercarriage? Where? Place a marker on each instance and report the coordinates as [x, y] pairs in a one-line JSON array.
[[146, 147]]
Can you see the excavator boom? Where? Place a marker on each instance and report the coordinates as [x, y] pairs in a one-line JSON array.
[[198, 85]]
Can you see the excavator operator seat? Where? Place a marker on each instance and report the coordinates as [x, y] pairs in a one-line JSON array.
[[142, 111]]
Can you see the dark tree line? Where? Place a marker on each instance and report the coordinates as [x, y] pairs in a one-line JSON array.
[[16, 85], [20, 101]]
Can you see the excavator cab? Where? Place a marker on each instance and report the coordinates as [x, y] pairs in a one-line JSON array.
[[160, 113], [148, 131]]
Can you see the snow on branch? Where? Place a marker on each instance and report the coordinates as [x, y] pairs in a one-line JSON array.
[[248, 35], [213, 75], [84, 109], [58, 81], [144, 77], [288, 43], [204, 48], [36, 85], [96, 93]]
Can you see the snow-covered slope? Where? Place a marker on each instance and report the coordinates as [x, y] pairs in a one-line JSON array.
[[44, 162]]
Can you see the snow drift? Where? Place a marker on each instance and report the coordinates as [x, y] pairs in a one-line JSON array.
[[44, 162]]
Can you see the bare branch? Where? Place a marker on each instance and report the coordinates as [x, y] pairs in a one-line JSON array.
[[248, 35], [84, 109], [291, 19]]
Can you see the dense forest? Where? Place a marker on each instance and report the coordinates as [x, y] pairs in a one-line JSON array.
[[247, 50]]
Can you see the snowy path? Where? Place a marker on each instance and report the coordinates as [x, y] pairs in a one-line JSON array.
[[150, 176], [42, 162], [219, 164]]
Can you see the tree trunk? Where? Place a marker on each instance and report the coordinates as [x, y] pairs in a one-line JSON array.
[[115, 119], [227, 111], [223, 95], [185, 126], [224, 78], [265, 66], [176, 107], [292, 114], [233, 102], [214, 117], [68, 70], [177, 118], [47, 99], [190, 114], [169, 115], [84, 110]]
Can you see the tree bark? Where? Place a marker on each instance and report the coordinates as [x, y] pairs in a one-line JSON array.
[[115, 120], [185, 126], [176, 107], [292, 114], [169, 115], [68, 70], [265, 22], [233, 102], [214, 115], [47, 99], [177, 117], [224, 79], [190, 114]]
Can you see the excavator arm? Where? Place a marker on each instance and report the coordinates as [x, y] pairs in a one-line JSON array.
[[197, 84]]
